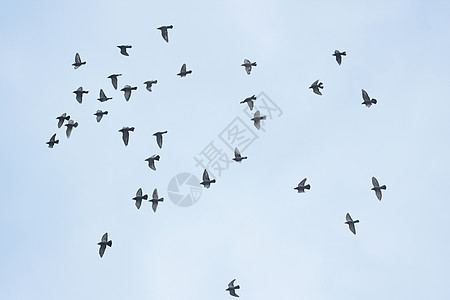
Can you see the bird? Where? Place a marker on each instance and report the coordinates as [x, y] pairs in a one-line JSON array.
[[70, 125], [126, 134], [155, 200], [151, 161], [367, 101], [183, 71], [257, 119], [149, 84], [100, 114], [377, 188], [248, 65], [79, 92], [339, 56], [315, 86], [52, 141], [302, 187], [103, 244], [159, 138], [206, 181], [123, 49], [61, 119], [127, 91], [114, 79], [237, 156], [351, 223], [102, 97], [164, 32], [139, 198], [78, 61], [249, 101], [232, 288]]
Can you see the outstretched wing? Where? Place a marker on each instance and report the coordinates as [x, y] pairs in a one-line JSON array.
[[125, 137], [151, 164], [159, 140], [105, 237], [165, 34], [155, 194], [338, 57], [102, 250], [114, 82], [205, 175], [231, 284], [154, 205], [365, 96], [183, 68], [348, 218], [316, 90], [302, 183], [250, 104], [237, 154], [378, 193], [248, 69], [77, 58], [127, 94], [352, 228], [375, 182], [139, 193]]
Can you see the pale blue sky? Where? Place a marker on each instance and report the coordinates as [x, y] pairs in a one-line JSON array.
[[250, 225]]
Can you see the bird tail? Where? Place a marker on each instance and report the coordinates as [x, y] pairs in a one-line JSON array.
[[321, 85], [57, 142], [189, 72], [374, 101], [263, 117], [356, 221], [132, 129], [237, 287], [254, 64], [213, 181], [109, 243], [145, 197], [307, 186], [134, 88], [105, 112], [344, 53], [253, 97], [383, 187], [67, 118], [171, 26], [75, 125], [157, 157]]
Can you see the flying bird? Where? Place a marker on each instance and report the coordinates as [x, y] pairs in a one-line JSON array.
[[102, 97], [367, 101], [183, 71], [164, 32], [123, 49], [159, 138], [126, 134], [103, 244], [351, 223], [149, 84], [114, 79], [339, 56], [257, 119], [70, 125], [61, 119], [237, 156], [78, 62], [155, 199], [206, 181], [248, 65], [301, 187], [151, 161], [139, 198], [52, 141], [249, 101], [79, 94], [316, 85], [100, 114], [232, 288], [377, 188], [127, 91]]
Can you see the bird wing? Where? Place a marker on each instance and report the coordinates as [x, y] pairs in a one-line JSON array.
[[105, 237], [154, 205], [99, 116], [151, 164], [125, 137], [338, 57], [352, 228], [165, 34], [237, 153], [247, 62], [60, 121], [114, 82], [365, 96], [183, 68], [348, 218], [205, 175], [233, 293], [257, 114], [159, 140], [375, 182], [69, 129], [139, 193], [302, 183], [155, 194], [250, 104], [138, 203], [231, 284], [378, 193], [102, 250], [52, 139], [127, 94], [102, 94], [77, 58], [315, 82], [316, 90], [257, 123], [248, 69]]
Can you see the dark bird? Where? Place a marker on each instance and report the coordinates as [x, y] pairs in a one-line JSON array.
[[126, 134], [149, 84], [377, 188], [151, 161], [139, 198], [127, 91], [159, 138], [257, 119], [164, 32], [249, 101], [100, 114], [61, 119], [52, 141], [78, 62], [237, 156], [339, 56], [248, 65], [351, 223], [70, 125], [232, 288], [123, 49], [79, 92], [367, 101], [316, 86], [102, 97], [114, 79], [155, 200], [103, 244], [302, 187], [183, 71], [206, 181]]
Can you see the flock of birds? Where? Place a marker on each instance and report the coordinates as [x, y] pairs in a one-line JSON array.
[[316, 86]]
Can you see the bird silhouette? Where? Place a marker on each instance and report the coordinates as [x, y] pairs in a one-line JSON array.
[[237, 156], [164, 32], [257, 119], [159, 138], [248, 65], [70, 125], [206, 181], [302, 187], [183, 71], [102, 97], [52, 141], [123, 49], [315, 86], [149, 84], [232, 288], [78, 61], [79, 94], [151, 161], [339, 56], [103, 243], [100, 114], [61, 119], [377, 188], [351, 223], [126, 134], [155, 199], [127, 91], [249, 101], [139, 198], [113, 78], [367, 101]]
